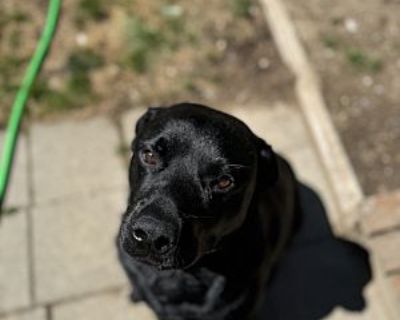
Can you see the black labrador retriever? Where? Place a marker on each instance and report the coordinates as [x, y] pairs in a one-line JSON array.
[[211, 207]]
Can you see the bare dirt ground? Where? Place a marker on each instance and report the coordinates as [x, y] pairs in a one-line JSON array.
[[109, 56], [355, 48]]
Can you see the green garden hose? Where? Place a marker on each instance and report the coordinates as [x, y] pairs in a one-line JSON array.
[[21, 98]]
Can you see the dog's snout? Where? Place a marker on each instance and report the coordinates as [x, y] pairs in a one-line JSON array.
[[154, 236]]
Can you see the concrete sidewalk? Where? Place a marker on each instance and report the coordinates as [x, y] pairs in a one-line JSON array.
[[69, 188]]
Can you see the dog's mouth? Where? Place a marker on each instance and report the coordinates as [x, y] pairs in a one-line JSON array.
[[163, 263], [173, 263]]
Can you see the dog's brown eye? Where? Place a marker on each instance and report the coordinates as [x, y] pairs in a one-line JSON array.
[[149, 157], [224, 182]]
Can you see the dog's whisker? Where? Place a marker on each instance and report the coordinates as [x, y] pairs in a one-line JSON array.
[[236, 165], [199, 257], [194, 217], [192, 263]]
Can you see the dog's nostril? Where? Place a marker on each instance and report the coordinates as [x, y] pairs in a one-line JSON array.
[[162, 244], [139, 235]]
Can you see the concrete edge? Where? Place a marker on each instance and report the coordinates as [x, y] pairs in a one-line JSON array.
[[342, 180], [344, 185]]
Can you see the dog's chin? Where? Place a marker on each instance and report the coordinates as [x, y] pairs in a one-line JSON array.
[[162, 264], [167, 263], [156, 263]]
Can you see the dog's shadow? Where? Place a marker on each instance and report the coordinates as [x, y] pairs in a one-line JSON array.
[[318, 273]]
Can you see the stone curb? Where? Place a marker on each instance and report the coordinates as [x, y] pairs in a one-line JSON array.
[[344, 185]]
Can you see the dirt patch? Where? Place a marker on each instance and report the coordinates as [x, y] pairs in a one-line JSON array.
[[356, 50], [108, 56]]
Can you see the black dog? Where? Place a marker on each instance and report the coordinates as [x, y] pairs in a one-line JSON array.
[[211, 206]]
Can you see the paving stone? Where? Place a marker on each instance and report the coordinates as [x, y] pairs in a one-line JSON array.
[[35, 314], [113, 306], [395, 281], [281, 125], [387, 246], [14, 282], [74, 245], [377, 307], [14, 279], [72, 158], [17, 193], [129, 122], [309, 171], [381, 212], [343, 314]]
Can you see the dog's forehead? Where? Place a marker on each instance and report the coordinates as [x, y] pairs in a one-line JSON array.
[[185, 132], [211, 139]]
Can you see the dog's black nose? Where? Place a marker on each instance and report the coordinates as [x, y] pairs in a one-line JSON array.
[[151, 235]]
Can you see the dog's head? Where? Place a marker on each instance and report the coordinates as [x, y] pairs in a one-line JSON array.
[[193, 175]]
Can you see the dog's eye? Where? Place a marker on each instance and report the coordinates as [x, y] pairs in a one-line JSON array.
[[149, 157], [224, 183]]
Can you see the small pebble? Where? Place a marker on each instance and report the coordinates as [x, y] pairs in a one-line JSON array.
[[221, 44], [351, 25], [263, 63], [367, 81], [170, 72], [81, 39], [172, 10], [55, 83]]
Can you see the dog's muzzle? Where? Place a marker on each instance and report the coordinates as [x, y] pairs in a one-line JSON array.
[[151, 234]]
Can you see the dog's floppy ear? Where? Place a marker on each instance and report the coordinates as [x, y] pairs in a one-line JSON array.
[[146, 118], [267, 169]]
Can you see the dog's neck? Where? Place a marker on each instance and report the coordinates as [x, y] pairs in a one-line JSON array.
[[246, 246]]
